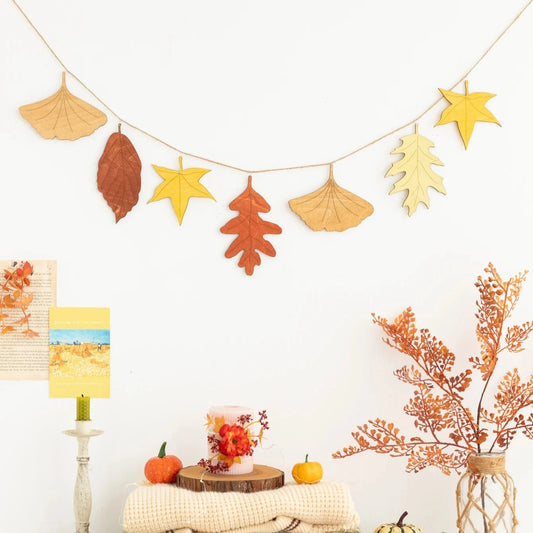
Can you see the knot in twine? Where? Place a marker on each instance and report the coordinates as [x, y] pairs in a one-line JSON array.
[[487, 464]]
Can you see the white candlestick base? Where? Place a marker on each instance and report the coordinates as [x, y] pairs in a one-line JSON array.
[[82, 488]]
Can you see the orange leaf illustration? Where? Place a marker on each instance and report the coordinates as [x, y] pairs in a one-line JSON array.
[[250, 227], [63, 115], [15, 300], [119, 174], [331, 207]]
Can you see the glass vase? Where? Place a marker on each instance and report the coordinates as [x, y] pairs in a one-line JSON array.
[[486, 496]]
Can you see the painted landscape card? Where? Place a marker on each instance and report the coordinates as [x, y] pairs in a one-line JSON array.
[[27, 291], [80, 352]]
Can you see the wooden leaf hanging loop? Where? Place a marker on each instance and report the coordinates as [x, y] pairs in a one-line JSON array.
[[119, 174], [466, 109], [179, 186], [251, 228], [415, 166], [331, 207], [63, 115]]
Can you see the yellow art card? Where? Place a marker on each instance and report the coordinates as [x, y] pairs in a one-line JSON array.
[[79, 352]]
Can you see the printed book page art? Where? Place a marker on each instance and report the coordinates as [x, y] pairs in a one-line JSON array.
[[27, 290]]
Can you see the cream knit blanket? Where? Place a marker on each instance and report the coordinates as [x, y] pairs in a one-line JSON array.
[[160, 508]]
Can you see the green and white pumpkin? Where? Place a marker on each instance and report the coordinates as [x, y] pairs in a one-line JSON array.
[[399, 527]]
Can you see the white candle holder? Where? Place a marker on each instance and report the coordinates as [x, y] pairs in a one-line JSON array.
[[82, 488]]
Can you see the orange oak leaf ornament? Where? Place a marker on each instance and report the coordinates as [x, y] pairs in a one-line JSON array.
[[179, 186], [119, 174], [250, 227], [63, 115], [466, 109], [331, 207]]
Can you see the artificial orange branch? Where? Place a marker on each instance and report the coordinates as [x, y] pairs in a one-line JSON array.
[[437, 404]]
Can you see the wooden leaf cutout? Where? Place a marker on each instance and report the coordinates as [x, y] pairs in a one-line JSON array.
[[119, 174], [466, 109], [331, 207], [415, 166], [250, 227], [179, 186], [63, 115]]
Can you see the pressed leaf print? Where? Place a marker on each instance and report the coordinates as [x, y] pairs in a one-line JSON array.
[[119, 174], [15, 299], [250, 228], [331, 207], [63, 115], [466, 109], [180, 185], [448, 429], [415, 166]]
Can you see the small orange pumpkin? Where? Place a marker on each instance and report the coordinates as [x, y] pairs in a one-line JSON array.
[[163, 468], [308, 472]]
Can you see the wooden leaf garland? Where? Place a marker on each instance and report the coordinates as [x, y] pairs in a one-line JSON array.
[[418, 175], [63, 115], [119, 174], [179, 186], [251, 228], [331, 207], [466, 109]]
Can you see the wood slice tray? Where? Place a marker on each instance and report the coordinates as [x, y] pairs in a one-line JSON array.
[[262, 477]]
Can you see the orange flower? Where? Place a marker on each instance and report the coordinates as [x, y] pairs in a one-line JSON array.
[[235, 441]]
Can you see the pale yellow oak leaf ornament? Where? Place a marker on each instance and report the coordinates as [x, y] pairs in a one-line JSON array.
[[179, 186], [418, 175], [331, 207], [63, 116], [466, 109]]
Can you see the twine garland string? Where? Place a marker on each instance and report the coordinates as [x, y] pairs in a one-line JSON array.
[[276, 169]]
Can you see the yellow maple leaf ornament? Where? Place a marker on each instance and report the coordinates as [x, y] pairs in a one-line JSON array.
[[418, 175], [466, 109], [179, 186]]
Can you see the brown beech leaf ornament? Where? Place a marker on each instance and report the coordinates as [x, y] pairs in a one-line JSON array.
[[250, 228], [119, 174], [63, 115], [331, 207]]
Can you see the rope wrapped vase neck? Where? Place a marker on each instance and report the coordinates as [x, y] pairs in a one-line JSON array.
[[486, 464]]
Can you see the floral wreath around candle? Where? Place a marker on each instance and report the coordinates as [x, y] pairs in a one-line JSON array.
[[229, 442]]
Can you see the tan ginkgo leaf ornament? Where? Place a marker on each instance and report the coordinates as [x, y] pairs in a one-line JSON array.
[[63, 116], [331, 207]]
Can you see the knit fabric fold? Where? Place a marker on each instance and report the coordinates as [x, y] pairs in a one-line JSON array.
[[163, 508]]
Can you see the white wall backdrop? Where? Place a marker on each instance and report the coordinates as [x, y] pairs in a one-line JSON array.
[[259, 84]]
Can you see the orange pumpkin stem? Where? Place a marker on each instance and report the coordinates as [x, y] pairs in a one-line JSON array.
[[162, 451], [306, 456], [400, 521]]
